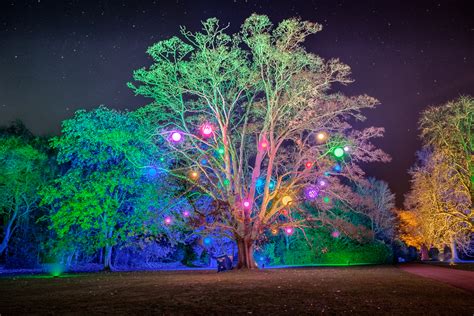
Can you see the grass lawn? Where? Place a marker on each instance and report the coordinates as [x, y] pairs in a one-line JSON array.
[[359, 290]]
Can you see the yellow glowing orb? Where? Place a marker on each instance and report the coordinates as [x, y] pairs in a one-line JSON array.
[[194, 175], [286, 200], [322, 136]]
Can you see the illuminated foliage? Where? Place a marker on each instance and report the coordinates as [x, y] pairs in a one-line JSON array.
[[271, 109], [441, 196], [105, 193], [23, 169]]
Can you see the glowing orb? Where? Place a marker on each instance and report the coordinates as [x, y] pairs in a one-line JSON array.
[[226, 182], [194, 175], [326, 199], [271, 185], [221, 151], [346, 148], [207, 130], [286, 200], [309, 164], [322, 136], [176, 137], [246, 204], [263, 144], [337, 168], [162, 159], [274, 231], [207, 240], [152, 172], [322, 183], [186, 213], [168, 220], [311, 192], [338, 152], [335, 234], [289, 230]]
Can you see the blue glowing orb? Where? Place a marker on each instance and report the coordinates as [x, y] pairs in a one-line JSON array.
[[207, 241]]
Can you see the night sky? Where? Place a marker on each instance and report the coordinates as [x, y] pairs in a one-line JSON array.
[[60, 56]]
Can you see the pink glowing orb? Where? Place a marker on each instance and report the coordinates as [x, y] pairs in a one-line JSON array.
[[263, 144], [207, 130], [176, 137], [168, 220], [186, 213], [322, 183], [335, 234], [309, 164], [289, 230], [246, 204]]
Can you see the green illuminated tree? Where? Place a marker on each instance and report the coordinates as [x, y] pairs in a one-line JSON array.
[[105, 195], [252, 123], [23, 169]]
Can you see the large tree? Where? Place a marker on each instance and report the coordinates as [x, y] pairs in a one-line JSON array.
[[441, 196], [105, 195], [23, 169], [253, 122]]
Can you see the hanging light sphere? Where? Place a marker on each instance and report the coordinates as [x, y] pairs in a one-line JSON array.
[[194, 175], [274, 231], [322, 183], [289, 230], [246, 204], [207, 130], [338, 152], [326, 199], [207, 241], [322, 136], [311, 192], [309, 164], [186, 213], [335, 234], [287, 200], [337, 168], [168, 220], [176, 136], [263, 145], [347, 148]]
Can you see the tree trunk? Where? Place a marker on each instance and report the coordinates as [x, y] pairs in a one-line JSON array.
[[8, 234], [454, 252], [245, 253], [108, 258]]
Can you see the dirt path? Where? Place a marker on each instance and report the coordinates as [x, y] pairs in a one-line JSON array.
[[458, 278]]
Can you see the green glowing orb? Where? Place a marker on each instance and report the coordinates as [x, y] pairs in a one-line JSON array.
[[221, 151], [326, 199], [338, 152], [226, 182]]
